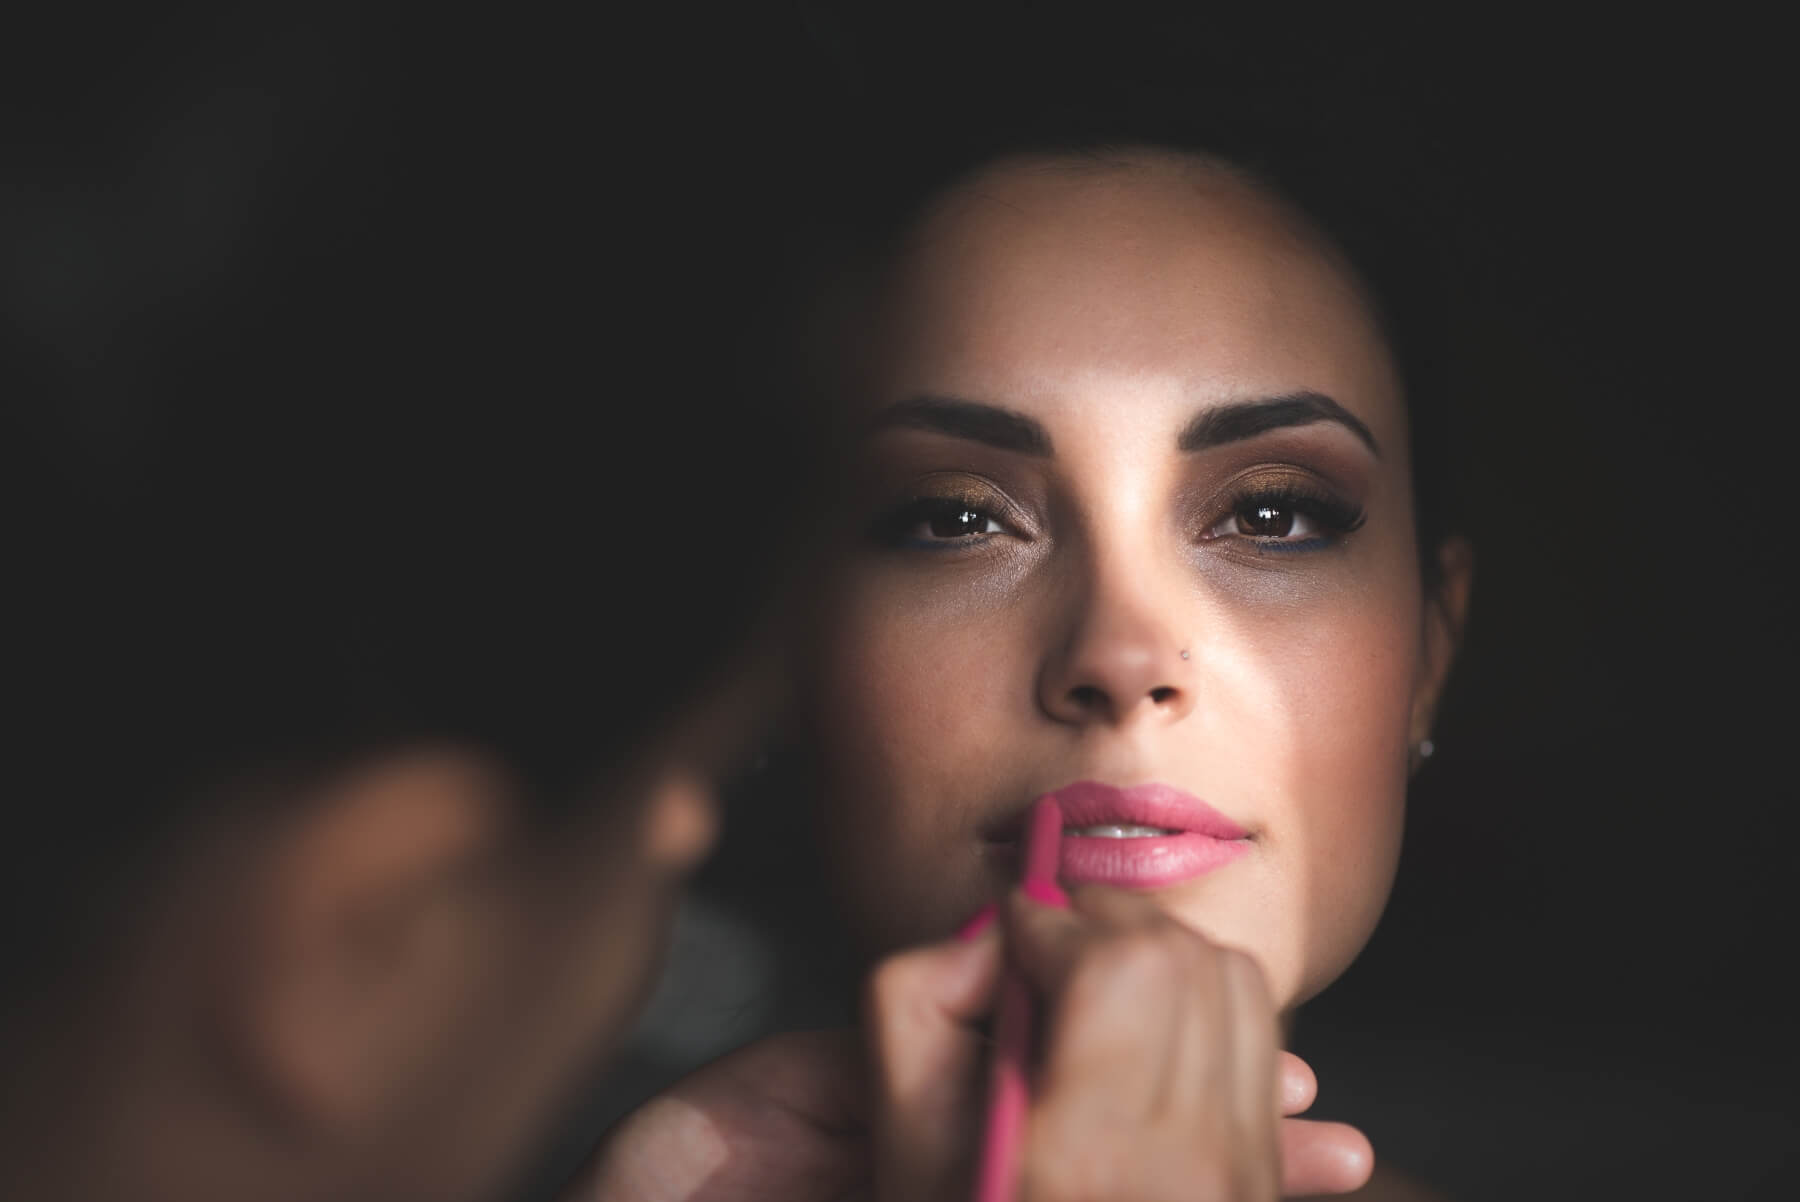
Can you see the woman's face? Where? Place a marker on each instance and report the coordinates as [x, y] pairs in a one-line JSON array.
[[1135, 527]]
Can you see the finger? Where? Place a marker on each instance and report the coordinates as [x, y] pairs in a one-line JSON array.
[[1200, 1058], [1255, 1036], [925, 1057], [1047, 940], [1114, 1000], [1117, 908], [1225, 1093], [1323, 1158], [1299, 1087], [919, 1006], [1208, 1070], [1043, 941]]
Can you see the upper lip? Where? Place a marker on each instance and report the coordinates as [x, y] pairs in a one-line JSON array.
[[1091, 803]]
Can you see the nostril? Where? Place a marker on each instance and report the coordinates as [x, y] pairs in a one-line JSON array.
[[1087, 697], [1162, 695]]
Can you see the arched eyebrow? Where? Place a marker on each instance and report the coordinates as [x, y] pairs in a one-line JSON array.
[[977, 422], [1220, 424], [1215, 426]]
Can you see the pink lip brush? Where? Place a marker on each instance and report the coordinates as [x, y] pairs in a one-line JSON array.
[[1008, 1083]]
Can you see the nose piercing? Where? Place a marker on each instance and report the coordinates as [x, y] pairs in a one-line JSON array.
[[1184, 653]]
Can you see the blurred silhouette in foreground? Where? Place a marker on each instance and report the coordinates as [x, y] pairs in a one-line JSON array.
[[391, 518]]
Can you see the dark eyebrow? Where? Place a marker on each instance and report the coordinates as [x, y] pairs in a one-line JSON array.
[[1246, 419], [972, 420]]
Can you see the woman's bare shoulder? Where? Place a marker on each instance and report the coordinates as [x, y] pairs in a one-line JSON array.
[[1390, 1185]]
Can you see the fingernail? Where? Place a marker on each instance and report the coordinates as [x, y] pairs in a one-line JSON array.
[[984, 917], [1046, 893]]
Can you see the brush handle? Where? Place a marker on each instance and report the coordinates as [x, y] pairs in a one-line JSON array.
[[1008, 1096], [996, 1178]]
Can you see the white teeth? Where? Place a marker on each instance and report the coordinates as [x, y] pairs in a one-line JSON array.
[[1112, 830]]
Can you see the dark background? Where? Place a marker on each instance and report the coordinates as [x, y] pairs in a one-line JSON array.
[[1581, 988]]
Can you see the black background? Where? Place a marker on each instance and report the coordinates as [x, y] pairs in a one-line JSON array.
[[1581, 988]]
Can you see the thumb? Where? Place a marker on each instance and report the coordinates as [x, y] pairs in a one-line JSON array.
[[926, 1057]]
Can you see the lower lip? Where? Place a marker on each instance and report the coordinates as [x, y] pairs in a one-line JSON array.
[[1149, 862]]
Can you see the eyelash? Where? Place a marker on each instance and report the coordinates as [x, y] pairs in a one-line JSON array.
[[1334, 517], [895, 527]]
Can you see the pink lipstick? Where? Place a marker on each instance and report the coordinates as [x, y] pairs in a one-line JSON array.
[[1143, 837]]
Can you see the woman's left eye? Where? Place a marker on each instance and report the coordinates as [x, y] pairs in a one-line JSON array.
[[960, 523], [937, 522], [1265, 519], [1287, 520]]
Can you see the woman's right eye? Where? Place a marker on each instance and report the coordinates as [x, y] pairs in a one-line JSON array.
[[937, 522]]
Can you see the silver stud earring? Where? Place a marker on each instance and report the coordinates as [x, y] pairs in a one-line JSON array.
[[1184, 653], [1426, 747]]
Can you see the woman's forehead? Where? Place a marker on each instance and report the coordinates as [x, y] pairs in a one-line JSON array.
[[1047, 277]]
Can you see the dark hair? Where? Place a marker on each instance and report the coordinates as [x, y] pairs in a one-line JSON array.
[[371, 392], [1370, 198]]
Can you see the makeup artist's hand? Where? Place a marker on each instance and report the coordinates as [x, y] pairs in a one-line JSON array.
[[1160, 1078], [805, 1118]]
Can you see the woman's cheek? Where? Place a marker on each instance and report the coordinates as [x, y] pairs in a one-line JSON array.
[[1347, 781], [911, 710]]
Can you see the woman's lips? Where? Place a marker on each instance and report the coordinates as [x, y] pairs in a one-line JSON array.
[[1200, 838]]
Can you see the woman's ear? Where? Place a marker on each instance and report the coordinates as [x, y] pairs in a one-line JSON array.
[[1446, 613], [370, 932]]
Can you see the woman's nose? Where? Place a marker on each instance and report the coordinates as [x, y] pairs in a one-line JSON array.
[[1119, 665]]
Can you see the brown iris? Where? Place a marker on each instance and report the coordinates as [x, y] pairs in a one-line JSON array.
[[1265, 521], [959, 522]]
